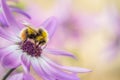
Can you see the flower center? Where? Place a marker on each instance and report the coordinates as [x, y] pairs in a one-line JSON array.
[[32, 40], [31, 49]]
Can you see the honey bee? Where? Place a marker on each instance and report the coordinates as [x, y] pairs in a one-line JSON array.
[[39, 36]]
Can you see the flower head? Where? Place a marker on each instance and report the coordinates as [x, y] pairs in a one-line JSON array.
[[28, 48]]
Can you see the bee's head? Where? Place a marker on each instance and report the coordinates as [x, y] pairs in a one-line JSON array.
[[40, 31]]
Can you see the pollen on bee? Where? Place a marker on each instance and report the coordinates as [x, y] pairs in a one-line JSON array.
[[23, 34]]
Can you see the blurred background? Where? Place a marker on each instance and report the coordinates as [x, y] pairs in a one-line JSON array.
[[90, 29]]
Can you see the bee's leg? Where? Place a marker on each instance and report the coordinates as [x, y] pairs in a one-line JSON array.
[[25, 39], [38, 45], [35, 43], [41, 43]]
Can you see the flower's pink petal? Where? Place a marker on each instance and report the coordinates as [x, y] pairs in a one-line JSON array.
[[3, 53], [59, 52], [50, 25], [57, 72], [16, 77], [15, 9], [75, 69], [7, 50], [8, 36], [9, 17], [27, 76], [71, 69], [25, 61], [3, 22], [5, 32], [48, 73], [21, 76], [12, 60], [38, 69], [2, 71]]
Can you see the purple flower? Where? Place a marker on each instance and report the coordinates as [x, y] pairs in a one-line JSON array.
[[28, 49]]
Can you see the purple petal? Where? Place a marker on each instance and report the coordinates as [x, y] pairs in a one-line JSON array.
[[12, 60], [27, 76], [21, 76], [16, 77], [46, 72], [57, 72], [15, 9], [3, 22], [59, 52], [71, 69], [38, 69], [50, 25], [75, 69], [7, 50], [25, 60], [4, 35], [3, 53], [9, 17]]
